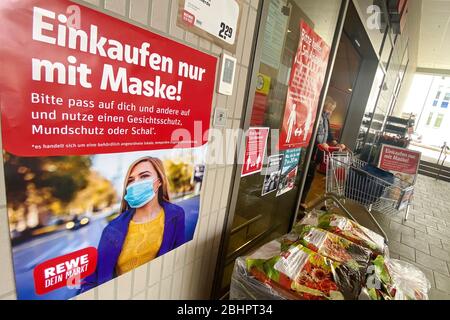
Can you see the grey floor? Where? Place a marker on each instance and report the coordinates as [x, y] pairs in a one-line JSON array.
[[424, 239]]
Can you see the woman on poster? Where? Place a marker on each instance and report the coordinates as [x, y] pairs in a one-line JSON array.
[[148, 227]]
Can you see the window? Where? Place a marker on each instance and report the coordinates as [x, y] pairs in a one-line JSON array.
[[430, 117], [447, 96], [438, 95], [444, 104], [439, 119], [435, 103]]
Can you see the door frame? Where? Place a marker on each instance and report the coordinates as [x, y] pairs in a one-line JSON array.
[[250, 88]]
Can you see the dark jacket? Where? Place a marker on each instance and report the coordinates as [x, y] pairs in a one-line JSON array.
[[113, 237], [323, 136]]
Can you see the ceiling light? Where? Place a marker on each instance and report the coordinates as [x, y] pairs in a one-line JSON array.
[[357, 43]]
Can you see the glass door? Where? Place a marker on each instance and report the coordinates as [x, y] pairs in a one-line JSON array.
[[264, 204]]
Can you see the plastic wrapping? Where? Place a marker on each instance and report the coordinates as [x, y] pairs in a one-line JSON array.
[[294, 272], [347, 229], [335, 247], [397, 280]]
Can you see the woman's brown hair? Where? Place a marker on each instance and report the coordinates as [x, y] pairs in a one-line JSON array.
[[163, 193]]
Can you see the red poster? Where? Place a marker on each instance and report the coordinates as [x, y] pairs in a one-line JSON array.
[[305, 84], [73, 85], [102, 121], [255, 147], [402, 162]]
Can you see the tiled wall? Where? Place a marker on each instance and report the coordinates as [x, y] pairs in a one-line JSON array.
[[188, 271]]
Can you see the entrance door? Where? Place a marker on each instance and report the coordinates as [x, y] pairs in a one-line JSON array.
[[263, 205]]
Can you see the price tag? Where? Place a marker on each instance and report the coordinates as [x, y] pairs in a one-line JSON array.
[[217, 17]]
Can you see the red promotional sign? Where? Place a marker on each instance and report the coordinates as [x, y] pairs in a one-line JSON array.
[[400, 161], [255, 147], [65, 270], [78, 82], [305, 84]]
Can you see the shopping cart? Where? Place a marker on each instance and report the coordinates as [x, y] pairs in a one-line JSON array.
[[375, 190], [323, 165]]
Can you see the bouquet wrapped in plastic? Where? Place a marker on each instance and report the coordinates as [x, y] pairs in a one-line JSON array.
[[296, 272], [393, 279], [334, 247], [347, 229]]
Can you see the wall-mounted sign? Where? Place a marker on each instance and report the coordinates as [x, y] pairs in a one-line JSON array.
[[102, 130], [255, 148], [272, 174], [215, 20], [227, 75], [289, 171], [305, 84]]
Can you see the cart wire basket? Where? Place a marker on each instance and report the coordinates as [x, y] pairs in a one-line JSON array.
[[348, 177]]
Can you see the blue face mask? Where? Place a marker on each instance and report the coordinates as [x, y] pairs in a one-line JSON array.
[[140, 193]]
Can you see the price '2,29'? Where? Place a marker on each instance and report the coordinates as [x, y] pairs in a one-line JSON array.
[[225, 31]]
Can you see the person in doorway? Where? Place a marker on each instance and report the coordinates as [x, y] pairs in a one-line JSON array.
[[149, 225], [324, 139]]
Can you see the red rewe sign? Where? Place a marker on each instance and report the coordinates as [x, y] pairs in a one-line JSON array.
[[64, 271], [78, 82], [305, 84]]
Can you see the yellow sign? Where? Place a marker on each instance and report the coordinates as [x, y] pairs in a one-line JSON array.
[[263, 84]]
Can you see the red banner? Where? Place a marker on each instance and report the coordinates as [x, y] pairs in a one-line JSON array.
[[305, 84], [75, 81], [65, 270]]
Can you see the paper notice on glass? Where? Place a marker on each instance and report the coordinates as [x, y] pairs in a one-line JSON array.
[[275, 33]]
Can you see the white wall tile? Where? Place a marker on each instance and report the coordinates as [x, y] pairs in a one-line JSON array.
[[175, 30], [9, 296], [124, 283], [168, 264], [153, 292], [116, 6], [180, 257], [177, 285], [203, 228], [88, 295], [140, 278], [187, 280], [155, 272], [94, 2], [140, 296], [160, 10], [226, 186], [6, 269], [166, 288], [208, 190], [196, 276], [192, 39], [139, 10], [249, 37], [190, 252], [107, 291], [241, 32], [218, 191]]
